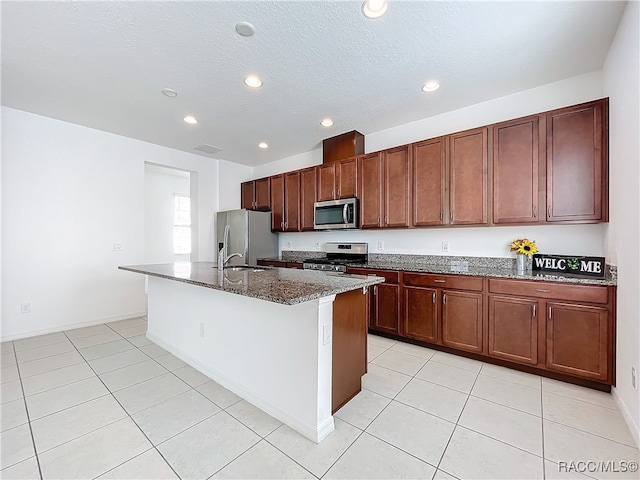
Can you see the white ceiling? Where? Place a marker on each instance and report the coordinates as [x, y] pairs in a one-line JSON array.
[[103, 64]]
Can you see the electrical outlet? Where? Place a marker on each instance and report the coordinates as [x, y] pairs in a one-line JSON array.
[[634, 381], [380, 245], [317, 245], [25, 307], [289, 244], [116, 246], [445, 246], [202, 329], [326, 334]]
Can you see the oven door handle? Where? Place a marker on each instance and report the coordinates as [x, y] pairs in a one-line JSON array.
[[345, 211]]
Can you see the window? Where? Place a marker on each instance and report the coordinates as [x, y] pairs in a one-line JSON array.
[[181, 224]]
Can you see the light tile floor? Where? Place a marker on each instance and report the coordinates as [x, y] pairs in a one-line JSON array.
[[105, 402]]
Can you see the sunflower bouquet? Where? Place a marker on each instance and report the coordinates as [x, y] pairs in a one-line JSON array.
[[524, 246]]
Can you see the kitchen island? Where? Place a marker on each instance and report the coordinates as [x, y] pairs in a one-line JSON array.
[[291, 342]]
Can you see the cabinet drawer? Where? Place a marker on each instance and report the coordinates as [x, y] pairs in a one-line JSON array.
[[458, 282], [564, 291], [390, 276]]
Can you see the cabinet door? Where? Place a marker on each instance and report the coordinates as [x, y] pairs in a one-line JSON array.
[[576, 157], [292, 202], [246, 195], [421, 313], [326, 182], [386, 308], [468, 177], [428, 159], [578, 340], [396, 187], [263, 194], [462, 320], [347, 178], [307, 197], [516, 149], [513, 329], [277, 203], [370, 189]]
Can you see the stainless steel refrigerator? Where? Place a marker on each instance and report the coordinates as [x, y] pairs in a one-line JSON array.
[[249, 234]]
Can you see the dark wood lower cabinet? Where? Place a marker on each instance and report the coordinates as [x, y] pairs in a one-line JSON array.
[[513, 329], [385, 311], [578, 340], [421, 314], [462, 320]]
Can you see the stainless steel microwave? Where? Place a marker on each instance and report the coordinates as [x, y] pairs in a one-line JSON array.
[[336, 214]]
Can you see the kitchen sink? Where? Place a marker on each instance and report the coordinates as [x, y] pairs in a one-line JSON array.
[[242, 268]]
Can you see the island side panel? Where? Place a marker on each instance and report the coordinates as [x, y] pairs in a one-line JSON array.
[[270, 354], [349, 345]]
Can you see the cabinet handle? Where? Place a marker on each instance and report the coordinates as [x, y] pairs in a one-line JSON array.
[[451, 216], [286, 224], [375, 289], [550, 313], [333, 193], [542, 290], [386, 219], [378, 221], [441, 216], [338, 192], [549, 211], [535, 212], [433, 297], [439, 281], [534, 309], [281, 224], [444, 298]]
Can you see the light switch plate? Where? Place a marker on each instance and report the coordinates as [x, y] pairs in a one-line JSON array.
[[326, 334]]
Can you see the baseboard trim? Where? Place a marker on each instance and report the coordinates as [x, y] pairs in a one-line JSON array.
[[71, 326], [311, 432], [633, 428]]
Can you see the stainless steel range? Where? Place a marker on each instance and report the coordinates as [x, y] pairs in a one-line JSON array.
[[338, 256]]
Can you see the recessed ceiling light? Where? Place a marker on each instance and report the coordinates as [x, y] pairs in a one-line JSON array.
[[374, 8], [430, 86], [263, 145], [245, 29], [190, 119], [169, 92], [327, 122], [253, 81]]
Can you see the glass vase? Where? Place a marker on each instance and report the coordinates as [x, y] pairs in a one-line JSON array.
[[521, 263]]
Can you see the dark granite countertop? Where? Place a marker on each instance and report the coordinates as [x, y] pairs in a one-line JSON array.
[[278, 285], [492, 267]]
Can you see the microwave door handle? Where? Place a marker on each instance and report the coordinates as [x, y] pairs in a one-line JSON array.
[[345, 211]]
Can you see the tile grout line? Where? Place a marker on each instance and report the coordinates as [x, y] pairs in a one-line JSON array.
[[24, 399], [131, 418]]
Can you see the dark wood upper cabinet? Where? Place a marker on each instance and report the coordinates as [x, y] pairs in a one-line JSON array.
[[428, 189], [277, 203], [516, 160], [337, 180], [342, 146], [513, 329], [247, 195], [578, 340], [468, 177], [256, 194], [347, 178], [577, 163], [397, 186], [326, 182], [370, 190], [307, 197], [292, 201]]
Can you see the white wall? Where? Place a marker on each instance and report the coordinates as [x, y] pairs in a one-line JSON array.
[[68, 193], [232, 175], [621, 83], [160, 186]]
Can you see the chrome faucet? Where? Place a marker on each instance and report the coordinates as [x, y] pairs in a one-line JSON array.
[[223, 259]]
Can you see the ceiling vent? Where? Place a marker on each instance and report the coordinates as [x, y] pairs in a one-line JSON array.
[[207, 148]]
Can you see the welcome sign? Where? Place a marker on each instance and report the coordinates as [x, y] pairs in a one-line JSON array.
[[593, 266]]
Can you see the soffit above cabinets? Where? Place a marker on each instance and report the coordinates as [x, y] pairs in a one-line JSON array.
[[104, 64]]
